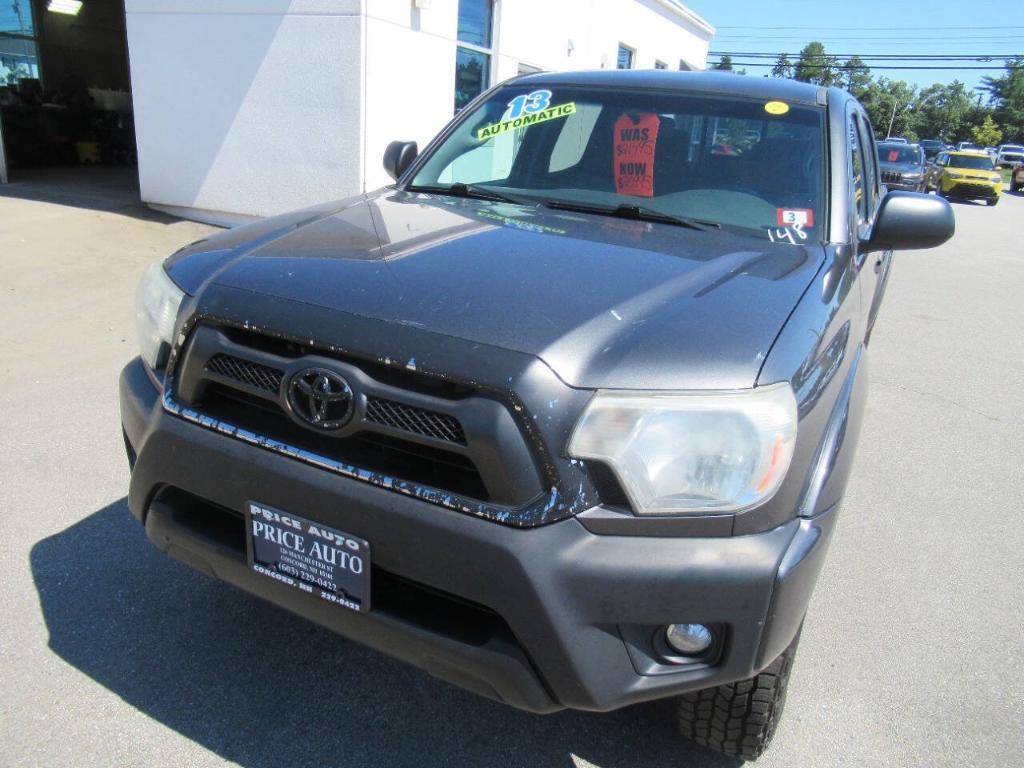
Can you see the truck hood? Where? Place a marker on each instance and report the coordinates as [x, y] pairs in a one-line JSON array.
[[604, 302]]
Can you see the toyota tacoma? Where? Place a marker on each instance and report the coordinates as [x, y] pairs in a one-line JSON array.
[[565, 415]]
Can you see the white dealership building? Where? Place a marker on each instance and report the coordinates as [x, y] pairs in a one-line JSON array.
[[253, 107]]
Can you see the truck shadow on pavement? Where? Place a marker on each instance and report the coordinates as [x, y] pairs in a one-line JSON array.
[[261, 687]]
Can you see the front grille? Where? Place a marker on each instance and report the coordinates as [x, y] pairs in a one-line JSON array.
[[247, 372], [414, 433], [979, 190], [891, 177], [418, 421], [386, 455], [379, 410]]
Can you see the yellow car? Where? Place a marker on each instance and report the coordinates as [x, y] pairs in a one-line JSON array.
[[967, 176]]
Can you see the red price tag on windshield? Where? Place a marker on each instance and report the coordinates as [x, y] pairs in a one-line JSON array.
[[894, 155], [636, 139]]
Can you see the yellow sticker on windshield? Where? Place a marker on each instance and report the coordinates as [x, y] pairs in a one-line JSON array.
[[551, 113], [776, 107]]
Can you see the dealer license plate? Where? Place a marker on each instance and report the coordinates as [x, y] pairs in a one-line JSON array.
[[321, 561]]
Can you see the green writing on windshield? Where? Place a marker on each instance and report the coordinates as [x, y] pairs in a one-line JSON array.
[[551, 113]]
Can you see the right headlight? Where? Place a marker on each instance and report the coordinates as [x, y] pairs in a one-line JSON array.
[[156, 308], [692, 452]]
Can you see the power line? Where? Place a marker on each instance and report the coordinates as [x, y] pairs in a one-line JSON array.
[[870, 56], [844, 67], [881, 38], [875, 28]]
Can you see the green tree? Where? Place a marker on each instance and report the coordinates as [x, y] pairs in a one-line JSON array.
[[987, 134], [814, 66], [890, 106], [944, 111], [783, 67], [855, 76], [725, 63], [1006, 94]]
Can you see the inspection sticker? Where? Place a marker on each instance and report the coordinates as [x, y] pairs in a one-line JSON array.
[[789, 217], [527, 118]]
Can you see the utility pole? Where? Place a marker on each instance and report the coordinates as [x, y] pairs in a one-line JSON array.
[[892, 118]]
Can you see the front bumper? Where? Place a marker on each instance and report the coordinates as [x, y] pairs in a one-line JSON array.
[[971, 190], [542, 618], [907, 185]]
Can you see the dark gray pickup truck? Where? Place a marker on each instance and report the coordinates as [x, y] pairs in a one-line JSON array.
[[565, 415]]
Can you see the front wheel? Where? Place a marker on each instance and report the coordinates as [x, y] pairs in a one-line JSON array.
[[992, 201], [739, 719]]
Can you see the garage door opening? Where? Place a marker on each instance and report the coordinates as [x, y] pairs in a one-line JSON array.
[[65, 98]]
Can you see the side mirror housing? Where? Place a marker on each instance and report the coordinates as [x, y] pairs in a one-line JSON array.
[[398, 157], [911, 221]]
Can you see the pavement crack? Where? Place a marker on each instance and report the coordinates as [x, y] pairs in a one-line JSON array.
[[943, 398]]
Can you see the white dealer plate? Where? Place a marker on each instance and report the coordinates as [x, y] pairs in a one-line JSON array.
[[321, 561]]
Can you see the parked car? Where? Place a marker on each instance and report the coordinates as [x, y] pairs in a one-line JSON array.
[[896, 140], [967, 146], [564, 416], [1010, 154], [932, 147], [965, 176], [901, 165], [1017, 178]]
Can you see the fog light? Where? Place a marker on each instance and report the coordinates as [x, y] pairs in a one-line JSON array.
[[688, 639]]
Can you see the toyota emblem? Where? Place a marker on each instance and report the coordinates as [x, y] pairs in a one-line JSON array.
[[321, 398]]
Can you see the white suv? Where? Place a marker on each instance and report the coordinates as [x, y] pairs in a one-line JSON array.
[[1010, 154]]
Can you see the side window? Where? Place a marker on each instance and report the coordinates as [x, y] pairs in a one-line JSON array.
[[574, 137], [943, 160], [856, 169], [871, 182], [491, 161]]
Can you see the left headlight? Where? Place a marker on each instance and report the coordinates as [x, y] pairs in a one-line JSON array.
[[157, 300], [996, 179], [692, 452]]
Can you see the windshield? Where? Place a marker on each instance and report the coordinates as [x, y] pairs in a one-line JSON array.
[[1012, 148], [898, 153], [974, 162], [753, 165]]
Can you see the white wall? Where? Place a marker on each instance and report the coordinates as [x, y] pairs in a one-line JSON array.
[[246, 107], [410, 55], [263, 106]]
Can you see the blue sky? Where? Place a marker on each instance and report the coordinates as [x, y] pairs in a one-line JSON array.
[[864, 27]]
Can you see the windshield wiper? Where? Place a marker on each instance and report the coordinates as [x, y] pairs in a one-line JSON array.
[[631, 211], [475, 191]]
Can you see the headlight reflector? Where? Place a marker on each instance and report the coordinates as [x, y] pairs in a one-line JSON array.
[[157, 300], [693, 452]]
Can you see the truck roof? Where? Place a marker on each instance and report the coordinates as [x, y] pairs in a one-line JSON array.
[[726, 83]]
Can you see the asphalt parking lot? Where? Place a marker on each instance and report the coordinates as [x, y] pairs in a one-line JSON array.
[[113, 655]]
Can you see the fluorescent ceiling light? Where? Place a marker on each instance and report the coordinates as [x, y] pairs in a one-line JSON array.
[[70, 7]]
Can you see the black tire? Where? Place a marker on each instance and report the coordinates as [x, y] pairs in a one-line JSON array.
[[738, 719], [992, 201]]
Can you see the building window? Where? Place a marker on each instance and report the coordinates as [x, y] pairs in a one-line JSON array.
[[19, 58], [660, 64], [473, 54], [625, 57]]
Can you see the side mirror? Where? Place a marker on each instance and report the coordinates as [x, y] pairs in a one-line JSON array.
[[910, 221], [398, 157]]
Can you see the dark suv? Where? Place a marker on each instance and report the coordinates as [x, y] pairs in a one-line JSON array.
[[563, 417]]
